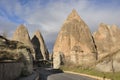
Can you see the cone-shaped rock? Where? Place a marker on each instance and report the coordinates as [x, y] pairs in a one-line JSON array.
[[107, 40], [40, 47], [21, 34], [75, 41]]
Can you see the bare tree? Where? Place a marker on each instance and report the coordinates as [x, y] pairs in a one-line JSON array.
[[113, 70]]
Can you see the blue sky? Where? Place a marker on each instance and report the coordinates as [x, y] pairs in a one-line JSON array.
[[49, 15]]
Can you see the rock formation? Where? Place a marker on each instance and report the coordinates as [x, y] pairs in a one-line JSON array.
[[21, 34], [57, 61], [14, 51], [40, 47], [107, 40], [110, 62], [75, 41]]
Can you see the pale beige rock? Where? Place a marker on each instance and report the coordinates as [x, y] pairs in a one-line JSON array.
[[57, 61], [75, 40], [40, 47], [21, 34], [107, 40], [110, 62]]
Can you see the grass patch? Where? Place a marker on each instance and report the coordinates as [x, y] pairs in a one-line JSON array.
[[112, 76]]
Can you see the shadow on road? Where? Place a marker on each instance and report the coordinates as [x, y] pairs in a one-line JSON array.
[[45, 72]]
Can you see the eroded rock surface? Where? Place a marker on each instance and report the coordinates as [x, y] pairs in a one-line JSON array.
[[14, 51], [40, 47], [21, 34], [107, 40], [75, 41]]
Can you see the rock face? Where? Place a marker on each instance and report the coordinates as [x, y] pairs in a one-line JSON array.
[[110, 62], [40, 47], [14, 51], [57, 61], [21, 34], [75, 41], [107, 40]]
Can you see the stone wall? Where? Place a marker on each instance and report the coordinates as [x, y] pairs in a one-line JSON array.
[[10, 70]]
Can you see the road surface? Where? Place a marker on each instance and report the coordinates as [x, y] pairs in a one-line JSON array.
[[50, 74], [67, 76]]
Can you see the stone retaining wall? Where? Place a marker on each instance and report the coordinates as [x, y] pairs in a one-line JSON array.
[[10, 70]]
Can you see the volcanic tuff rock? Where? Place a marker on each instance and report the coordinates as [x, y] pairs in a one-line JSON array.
[[57, 61], [21, 34], [107, 40], [110, 62], [75, 41], [40, 47], [14, 51]]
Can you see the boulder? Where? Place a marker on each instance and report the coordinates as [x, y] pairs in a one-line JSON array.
[[14, 51]]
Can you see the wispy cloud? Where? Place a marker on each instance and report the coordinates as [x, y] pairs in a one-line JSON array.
[[49, 15]]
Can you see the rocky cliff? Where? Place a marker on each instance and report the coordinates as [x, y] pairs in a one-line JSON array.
[[75, 41], [110, 62], [21, 34], [107, 40], [40, 47]]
